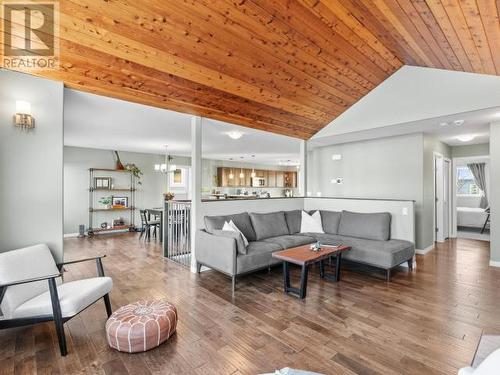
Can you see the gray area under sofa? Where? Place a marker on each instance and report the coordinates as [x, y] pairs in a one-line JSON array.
[[368, 235]]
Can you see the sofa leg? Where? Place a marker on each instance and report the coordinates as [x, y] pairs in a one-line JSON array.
[[198, 267], [233, 284], [410, 264], [388, 275]]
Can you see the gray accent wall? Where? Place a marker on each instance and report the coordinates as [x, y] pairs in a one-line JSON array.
[[494, 196], [399, 167], [470, 150], [77, 162], [31, 164]]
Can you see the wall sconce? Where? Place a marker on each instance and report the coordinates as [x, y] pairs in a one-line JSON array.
[[23, 118]]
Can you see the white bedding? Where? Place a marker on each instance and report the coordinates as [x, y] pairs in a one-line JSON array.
[[471, 217]]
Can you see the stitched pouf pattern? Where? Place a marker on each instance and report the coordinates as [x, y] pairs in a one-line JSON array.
[[141, 325]]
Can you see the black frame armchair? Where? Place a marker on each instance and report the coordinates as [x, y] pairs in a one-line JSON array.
[[57, 315]]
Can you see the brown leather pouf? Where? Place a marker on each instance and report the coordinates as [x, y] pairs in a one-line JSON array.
[[141, 326]]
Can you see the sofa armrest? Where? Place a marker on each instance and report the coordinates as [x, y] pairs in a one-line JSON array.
[[217, 252]]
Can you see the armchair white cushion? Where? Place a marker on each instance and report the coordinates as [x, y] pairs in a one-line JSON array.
[[74, 296], [490, 366], [26, 263]]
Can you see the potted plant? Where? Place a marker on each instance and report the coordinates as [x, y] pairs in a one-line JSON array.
[[129, 167], [135, 171]]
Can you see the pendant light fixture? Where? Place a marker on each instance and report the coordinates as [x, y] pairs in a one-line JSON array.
[[253, 173], [242, 175], [231, 175]]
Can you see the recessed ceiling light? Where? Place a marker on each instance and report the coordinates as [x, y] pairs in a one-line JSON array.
[[465, 138], [458, 122], [443, 124], [234, 134]]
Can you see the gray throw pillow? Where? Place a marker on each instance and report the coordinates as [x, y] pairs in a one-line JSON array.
[[268, 225]]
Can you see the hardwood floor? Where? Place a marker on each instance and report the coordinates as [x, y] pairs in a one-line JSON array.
[[425, 322]]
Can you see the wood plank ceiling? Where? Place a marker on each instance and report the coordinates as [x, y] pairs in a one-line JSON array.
[[288, 67]]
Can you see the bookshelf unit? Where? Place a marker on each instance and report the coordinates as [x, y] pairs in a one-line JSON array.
[[128, 191]]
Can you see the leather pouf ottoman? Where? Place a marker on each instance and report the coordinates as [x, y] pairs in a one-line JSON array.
[[141, 326]]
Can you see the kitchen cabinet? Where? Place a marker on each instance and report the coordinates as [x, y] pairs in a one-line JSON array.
[[273, 178]]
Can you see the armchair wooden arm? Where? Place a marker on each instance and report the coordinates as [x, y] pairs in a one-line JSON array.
[[98, 259]]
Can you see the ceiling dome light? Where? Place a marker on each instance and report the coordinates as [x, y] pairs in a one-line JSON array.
[[234, 134], [443, 124], [465, 138], [458, 122]]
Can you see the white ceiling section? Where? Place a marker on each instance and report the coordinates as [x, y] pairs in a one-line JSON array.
[[412, 94], [100, 122]]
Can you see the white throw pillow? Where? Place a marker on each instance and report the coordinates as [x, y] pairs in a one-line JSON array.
[[231, 226], [311, 223]]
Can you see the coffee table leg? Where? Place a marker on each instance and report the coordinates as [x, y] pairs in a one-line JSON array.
[[338, 262], [322, 269], [286, 277], [303, 282]]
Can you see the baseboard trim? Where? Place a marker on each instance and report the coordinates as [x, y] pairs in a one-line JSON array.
[[494, 263], [69, 235], [424, 251]]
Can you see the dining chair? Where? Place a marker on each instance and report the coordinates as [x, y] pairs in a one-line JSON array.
[[32, 290], [147, 224]]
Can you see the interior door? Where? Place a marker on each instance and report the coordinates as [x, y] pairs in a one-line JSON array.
[[438, 198], [446, 198]]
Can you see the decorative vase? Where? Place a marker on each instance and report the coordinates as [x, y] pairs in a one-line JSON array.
[[119, 165]]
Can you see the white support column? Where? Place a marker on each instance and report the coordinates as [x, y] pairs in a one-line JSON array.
[[196, 170], [303, 169], [494, 194]]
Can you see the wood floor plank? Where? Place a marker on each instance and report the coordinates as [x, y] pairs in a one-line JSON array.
[[426, 321]]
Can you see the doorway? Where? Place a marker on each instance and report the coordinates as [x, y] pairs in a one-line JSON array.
[[442, 197]]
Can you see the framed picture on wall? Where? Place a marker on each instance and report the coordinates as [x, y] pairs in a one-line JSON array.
[[177, 178], [120, 202], [102, 182]]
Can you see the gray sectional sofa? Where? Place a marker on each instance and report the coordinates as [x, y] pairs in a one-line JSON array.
[[368, 235]]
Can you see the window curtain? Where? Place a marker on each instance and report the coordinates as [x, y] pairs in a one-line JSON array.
[[479, 172]]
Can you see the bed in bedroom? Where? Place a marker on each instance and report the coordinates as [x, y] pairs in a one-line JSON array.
[[471, 217]]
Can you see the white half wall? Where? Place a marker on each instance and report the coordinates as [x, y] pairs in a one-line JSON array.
[[402, 212], [31, 164]]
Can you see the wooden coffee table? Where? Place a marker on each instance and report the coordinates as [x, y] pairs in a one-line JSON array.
[[303, 256]]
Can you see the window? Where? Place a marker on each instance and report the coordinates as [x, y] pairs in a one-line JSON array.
[[466, 184]]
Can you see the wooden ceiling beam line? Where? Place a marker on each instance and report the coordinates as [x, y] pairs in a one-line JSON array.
[[102, 40], [284, 85]]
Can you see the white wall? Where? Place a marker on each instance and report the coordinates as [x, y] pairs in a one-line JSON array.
[[31, 165], [470, 150], [495, 194], [416, 93], [77, 162]]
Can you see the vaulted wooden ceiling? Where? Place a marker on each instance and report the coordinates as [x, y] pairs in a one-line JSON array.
[[288, 67]]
